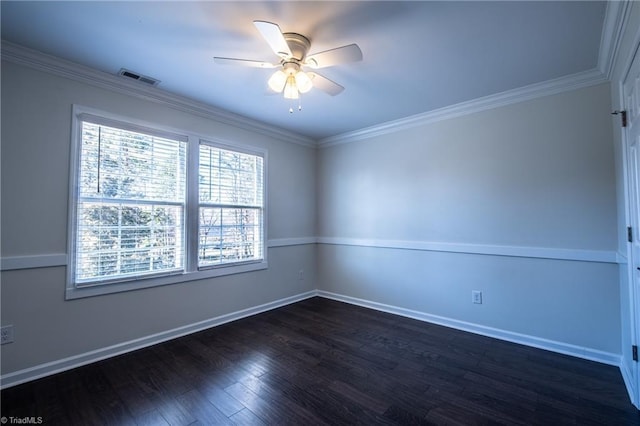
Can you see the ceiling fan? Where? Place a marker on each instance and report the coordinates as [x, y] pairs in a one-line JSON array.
[[291, 78]]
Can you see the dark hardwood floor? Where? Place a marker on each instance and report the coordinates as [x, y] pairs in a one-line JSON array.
[[325, 362]]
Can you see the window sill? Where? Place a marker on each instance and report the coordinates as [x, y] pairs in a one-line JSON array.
[[138, 284]]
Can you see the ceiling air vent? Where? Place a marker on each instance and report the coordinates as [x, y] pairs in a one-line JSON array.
[[139, 77]]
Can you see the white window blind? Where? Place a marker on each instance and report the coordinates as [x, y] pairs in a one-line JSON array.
[[131, 201], [231, 193], [152, 206]]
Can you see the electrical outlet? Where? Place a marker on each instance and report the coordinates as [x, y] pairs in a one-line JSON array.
[[301, 274], [6, 334], [476, 296]]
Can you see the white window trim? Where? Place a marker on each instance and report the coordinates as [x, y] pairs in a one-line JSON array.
[[191, 271]]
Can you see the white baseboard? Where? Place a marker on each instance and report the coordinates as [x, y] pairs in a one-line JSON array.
[[42, 370], [536, 342], [629, 383], [49, 368]]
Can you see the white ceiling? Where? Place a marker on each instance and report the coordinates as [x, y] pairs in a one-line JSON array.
[[418, 56]]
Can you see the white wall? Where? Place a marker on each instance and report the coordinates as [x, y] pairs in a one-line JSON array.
[[535, 177], [36, 124]]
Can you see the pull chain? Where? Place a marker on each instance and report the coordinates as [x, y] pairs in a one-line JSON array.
[[299, 105]]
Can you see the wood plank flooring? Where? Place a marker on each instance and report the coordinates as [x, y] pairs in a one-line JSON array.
[[325, 362]]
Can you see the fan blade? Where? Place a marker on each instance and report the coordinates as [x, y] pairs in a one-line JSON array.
[[339, 55], [324, 84], [272, 34], [243, 62]]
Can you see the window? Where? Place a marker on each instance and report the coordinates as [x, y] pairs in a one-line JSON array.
[[152, 207], [231, 200], [130, 205]]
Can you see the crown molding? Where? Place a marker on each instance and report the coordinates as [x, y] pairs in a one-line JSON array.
[[616, 16], [615, 20], [47, 63], [533, 91]]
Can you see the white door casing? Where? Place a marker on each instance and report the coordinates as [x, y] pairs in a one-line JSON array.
[[631, 100]]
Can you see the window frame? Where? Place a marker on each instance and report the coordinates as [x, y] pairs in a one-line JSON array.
[[191, 270], [262, 208]]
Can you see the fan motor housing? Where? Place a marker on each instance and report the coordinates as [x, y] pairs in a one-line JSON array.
[[298, 44]]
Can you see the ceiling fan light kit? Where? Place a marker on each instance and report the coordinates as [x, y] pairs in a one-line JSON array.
[[303, 81], [290, 79]]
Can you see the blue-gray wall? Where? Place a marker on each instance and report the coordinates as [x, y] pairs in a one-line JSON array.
[[518, 202], [36, 137]]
